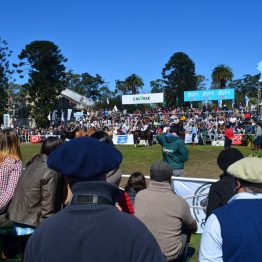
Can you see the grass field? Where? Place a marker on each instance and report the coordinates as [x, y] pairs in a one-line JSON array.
[[201, 163]]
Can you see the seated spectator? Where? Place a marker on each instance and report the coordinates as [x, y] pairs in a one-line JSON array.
[[221, 191], [90, 228], [11, 168], [234, 231], [39, 193], [164, 213], [135, 183]]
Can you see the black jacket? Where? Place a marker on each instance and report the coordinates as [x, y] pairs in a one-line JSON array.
[[92, 232], [220, 192]]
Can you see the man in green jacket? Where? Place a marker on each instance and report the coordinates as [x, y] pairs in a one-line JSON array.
[[175, 152]]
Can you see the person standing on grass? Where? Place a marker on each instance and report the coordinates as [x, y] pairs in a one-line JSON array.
[[258, 139], [228, 136], [90, 228], [174, 151], [234, 231], [11, 168]]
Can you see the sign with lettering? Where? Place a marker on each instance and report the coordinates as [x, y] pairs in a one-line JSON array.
[[143, 99], [208, 95]]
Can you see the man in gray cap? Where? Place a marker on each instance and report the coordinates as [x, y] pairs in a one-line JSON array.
[[90, 228], [164, 213], [234, 231]]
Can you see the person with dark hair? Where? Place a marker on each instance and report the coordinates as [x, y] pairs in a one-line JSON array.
[[39, 193], [135, 183], [228, 136], [221, 191], [90, 228], [234, 231], [174, 151], [164, 213]]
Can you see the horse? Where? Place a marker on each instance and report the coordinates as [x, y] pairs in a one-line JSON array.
[[88, 132], [146, 136]]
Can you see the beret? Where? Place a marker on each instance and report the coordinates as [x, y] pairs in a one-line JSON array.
[[248, 169], [84, 158], [160, 171], [227, 157]]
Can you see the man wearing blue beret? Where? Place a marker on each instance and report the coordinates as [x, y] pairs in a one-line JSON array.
[[90, 228]]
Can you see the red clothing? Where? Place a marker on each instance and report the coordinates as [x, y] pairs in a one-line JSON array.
[[125, 203], [229, 133]]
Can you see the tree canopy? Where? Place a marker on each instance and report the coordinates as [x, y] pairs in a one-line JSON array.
[[87, 85], [247, 85], [46, 73], [221, 75], [157, 86], [5, 73], [179, 73], [133, 83]]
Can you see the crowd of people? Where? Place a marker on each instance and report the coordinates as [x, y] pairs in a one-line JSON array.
[[66, 204], [202, 124]]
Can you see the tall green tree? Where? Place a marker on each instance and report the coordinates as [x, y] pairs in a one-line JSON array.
[[248, 85], [134, 83], [120, 88], [46, 77], [179, 73], [5, 74], [157, 86], [86, 85], [201, 82], [221, 75]]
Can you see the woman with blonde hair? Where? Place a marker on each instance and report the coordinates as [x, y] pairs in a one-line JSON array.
[[10, 170]]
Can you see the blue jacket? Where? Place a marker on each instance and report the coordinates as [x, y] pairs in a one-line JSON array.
[[92, 232], [241, 230]]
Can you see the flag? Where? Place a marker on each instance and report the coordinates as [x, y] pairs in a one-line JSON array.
[[69, 112], [246, 100], [49, 116], [259, 68], [233, 103], [220, 103], [62, 116], [107, 100], [54, 115]]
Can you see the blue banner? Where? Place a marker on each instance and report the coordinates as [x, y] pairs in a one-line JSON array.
[[211, 94]]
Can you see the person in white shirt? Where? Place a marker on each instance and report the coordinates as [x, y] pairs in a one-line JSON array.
[[234, 231]]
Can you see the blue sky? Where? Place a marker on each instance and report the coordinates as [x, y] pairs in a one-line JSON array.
[[119, 37]]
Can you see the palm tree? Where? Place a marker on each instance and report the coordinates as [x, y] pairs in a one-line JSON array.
[[134, 83], [221, 74]]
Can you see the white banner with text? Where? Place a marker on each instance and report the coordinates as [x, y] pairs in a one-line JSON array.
[[123, 139], [143, 99]]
